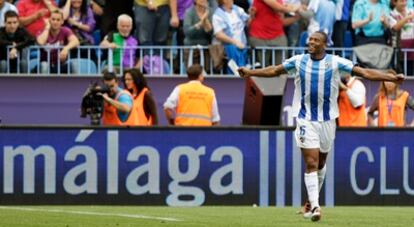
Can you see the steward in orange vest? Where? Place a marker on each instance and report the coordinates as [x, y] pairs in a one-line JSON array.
[[118, 106], [351, 103], [391, 103], [194, 104], [144, 103]]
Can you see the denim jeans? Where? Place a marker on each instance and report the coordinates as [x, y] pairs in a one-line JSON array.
[[152, 26]]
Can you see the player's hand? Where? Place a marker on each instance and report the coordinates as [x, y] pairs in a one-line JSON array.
[[244, 72]]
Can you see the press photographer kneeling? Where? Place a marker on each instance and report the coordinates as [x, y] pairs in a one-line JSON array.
[[118, 103]]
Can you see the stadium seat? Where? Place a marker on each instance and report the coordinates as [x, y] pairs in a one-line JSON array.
[[83, 66]]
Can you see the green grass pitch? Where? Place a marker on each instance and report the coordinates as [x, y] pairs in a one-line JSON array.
[[90, 216]]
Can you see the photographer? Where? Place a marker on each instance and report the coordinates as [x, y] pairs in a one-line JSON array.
[[118, 107]]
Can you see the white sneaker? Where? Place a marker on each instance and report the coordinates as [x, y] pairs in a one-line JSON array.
[[316, 214], [306, 210], [307, 215]]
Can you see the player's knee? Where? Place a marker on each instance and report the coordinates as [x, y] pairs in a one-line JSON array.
[[311, 165]]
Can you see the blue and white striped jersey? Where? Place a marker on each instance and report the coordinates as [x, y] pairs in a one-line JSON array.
[[316, 85]]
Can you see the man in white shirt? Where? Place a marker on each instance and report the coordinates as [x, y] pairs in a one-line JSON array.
[[193, 103]]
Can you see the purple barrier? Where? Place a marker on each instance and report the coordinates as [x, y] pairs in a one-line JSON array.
[[56, 100]]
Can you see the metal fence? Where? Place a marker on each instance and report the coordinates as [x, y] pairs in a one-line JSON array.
[[152, 60]]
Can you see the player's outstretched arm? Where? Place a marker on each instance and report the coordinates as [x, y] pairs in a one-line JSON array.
[[270, 71], [373, 74]]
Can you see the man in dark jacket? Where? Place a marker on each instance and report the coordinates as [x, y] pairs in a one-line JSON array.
[[13, 39]]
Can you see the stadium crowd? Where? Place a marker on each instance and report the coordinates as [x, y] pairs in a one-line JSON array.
[[232, 28]]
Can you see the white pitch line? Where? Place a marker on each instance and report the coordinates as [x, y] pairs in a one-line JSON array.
[[89, 213]]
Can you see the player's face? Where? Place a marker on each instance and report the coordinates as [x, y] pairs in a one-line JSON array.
[[316, 43], [12, 23], [129, 82]]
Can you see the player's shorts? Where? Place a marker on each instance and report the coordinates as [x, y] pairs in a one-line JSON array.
[[314, 134]]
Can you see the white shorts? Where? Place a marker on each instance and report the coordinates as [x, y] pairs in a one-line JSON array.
[[314, 134]]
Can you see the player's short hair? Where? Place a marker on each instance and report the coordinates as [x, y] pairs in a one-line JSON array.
[[194, 71], [325, 36]]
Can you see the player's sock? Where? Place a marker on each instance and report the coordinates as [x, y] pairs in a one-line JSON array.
[[321, 176], [311, 182]]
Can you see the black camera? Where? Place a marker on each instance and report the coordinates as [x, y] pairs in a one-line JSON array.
[[93, 103]]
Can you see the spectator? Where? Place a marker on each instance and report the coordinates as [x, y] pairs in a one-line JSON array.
[[402, 23], [321, 16], [80, 20], [123, 44], [342, 20], [182, 7], [118, 105], [97, 7], [55, 36], [197, 24], [391, 103], [265, 34], [194, 104], [292, 24], [229, 23], [136, 84], [4, 7], [34, 13], [369, 22], [351, 103], [198, 30], [112, 9], [18, 38], [152, 18]]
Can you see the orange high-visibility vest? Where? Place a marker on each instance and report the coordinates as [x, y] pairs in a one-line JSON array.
[[392, 112], [348, 115], [195, 103], [139, 105], [110, 115]]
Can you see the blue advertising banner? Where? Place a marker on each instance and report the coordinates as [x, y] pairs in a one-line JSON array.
[[200, 166], [172, 167], [374, 167]]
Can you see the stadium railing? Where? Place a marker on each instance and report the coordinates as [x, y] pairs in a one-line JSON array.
[[154, 60]]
